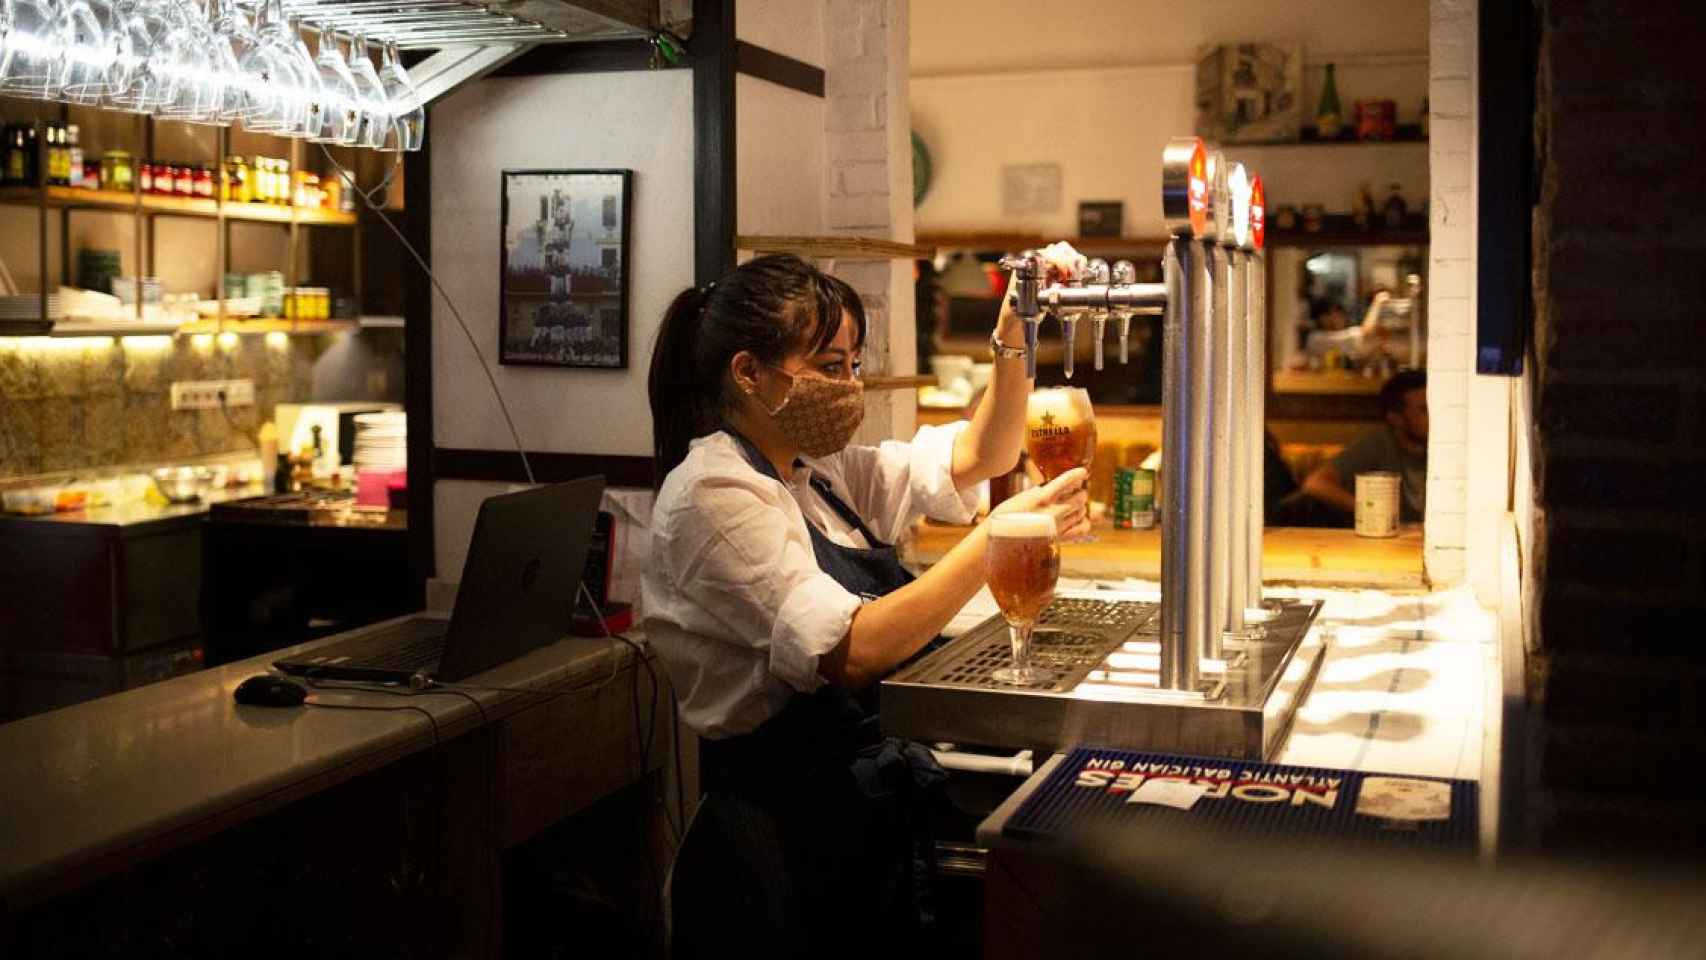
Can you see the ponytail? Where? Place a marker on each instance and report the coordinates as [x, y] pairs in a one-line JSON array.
[[768, 307], [674, 384]]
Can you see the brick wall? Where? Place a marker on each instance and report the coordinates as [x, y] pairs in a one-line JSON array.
[[1619, 432], [869, 183]]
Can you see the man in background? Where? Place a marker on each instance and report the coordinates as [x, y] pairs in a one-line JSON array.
[[1400, 445]]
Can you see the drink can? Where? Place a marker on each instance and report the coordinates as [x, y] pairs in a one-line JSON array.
[[1377, 504]]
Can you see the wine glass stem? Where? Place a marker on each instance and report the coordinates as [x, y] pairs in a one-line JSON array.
[[1021, 637]]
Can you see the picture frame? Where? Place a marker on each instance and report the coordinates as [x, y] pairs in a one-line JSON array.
[[1101, 218], [563, 286], [1250, 92]]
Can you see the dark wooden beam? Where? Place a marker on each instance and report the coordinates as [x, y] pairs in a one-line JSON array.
[[598, 56], [756, 61], [417, 363], [713, 53], [639, 14], [503, 466]]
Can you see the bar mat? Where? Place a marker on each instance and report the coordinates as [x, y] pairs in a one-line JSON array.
[[1125, 790]]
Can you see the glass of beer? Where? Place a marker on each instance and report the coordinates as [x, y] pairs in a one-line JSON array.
[[1060, 431], [1022, 562]]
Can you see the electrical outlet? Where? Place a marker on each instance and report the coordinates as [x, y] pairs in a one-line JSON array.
[[206, 394]]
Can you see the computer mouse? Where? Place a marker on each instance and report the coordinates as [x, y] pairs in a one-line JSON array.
[[270, 690]]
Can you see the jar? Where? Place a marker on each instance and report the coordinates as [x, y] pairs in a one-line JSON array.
[[183, 183], [203, 183], [91, 175], [145, 176], [332, 189], [116, 173]]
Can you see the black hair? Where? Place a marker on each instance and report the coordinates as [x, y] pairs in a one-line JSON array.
[[1392, 391], [769, 306]]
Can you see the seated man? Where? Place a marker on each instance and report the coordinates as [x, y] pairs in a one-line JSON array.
[[1400, 446]]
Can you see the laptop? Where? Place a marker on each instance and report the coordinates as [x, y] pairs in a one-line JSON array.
[[518, 591]]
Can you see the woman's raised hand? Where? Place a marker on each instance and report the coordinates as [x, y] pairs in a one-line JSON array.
[[1065, 498]]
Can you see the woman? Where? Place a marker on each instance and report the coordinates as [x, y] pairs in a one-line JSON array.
[[775, 599]]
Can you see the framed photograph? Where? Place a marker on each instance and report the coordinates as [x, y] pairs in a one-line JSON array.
[[1100, 218], [1250, 92], [563, 288]]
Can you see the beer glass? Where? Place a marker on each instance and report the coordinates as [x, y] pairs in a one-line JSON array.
[[1060, 431], [1022, 563]]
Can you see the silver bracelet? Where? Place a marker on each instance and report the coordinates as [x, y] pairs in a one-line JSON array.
[[1001, 351]]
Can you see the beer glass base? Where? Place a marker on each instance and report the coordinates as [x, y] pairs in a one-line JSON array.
[[1021, 676]]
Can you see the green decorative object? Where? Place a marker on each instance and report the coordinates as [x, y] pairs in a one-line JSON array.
[[920, 169]]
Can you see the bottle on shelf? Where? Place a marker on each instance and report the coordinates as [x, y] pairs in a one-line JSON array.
[[73, 155], [1329, 117], [1396, 210]]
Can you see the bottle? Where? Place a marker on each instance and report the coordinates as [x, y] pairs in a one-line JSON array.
[[1330, 116], [267, 440], [74, 155], [1395, 211], [1362, 208]]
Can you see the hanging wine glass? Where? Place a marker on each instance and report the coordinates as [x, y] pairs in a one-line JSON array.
[[231, 29], [189, 52], [30, 65], [272, 77], [375, 109], [341, 121], [314, 105], [148, 66], [408, 115], [95, 51]]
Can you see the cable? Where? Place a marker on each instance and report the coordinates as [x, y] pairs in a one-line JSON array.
[[352, 706], [377, 206]]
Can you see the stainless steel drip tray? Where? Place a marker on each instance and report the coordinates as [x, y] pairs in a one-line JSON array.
[[1101, 650]]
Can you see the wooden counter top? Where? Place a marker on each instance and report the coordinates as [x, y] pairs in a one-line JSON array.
[[1289, 554]]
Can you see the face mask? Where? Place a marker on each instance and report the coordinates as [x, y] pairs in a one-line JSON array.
[[820, 415]]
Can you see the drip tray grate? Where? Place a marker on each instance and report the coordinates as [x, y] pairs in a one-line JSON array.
[[1074, 636]]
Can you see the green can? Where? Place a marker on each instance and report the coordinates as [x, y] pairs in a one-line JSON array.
[[1134, 499]]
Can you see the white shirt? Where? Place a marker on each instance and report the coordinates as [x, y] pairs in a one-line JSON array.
[[734, 602]]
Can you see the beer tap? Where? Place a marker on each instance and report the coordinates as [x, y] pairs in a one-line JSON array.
[[1097, 273], [1027, 271], [1124, 274], [1068, 318]]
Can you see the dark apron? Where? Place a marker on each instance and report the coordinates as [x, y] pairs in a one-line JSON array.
[[850, 806]]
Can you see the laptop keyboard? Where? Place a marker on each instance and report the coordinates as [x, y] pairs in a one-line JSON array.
[[404, 647]]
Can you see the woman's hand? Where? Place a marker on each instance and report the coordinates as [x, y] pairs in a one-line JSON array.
[[1060, 263], [1065, 498]]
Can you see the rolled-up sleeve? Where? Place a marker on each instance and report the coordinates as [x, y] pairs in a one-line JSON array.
[[893, 484], [751, 577]]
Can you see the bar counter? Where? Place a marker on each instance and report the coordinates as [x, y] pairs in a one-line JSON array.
[[97, 788], [1289, 555]]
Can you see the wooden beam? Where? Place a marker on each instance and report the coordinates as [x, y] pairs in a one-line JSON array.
[[841, 248], [785, 71], [713, 53]]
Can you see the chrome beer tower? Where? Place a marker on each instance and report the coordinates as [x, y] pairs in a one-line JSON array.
[[1213, 302], [1212, 669]]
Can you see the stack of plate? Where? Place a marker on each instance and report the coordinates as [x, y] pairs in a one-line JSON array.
[[28, 307], [381, 441]]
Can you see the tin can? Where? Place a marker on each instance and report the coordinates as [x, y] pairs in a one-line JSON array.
[[1377, 504], [1134, 498]]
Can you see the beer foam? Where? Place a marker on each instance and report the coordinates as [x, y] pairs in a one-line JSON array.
[[1073, 403], [1022, 525]]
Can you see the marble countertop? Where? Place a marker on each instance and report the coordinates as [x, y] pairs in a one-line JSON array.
[[105, 782]]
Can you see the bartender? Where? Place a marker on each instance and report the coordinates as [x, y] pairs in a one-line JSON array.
[[776, 600]]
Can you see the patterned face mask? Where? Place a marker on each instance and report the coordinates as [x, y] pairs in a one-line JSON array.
[[820, 415]]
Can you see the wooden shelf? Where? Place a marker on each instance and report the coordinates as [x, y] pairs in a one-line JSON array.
[[73, 198], [298, 327], [1406, 134], [114, 329], [1330, 237], [1013, 242], [898, 383], [840, 248], [1335, 382]]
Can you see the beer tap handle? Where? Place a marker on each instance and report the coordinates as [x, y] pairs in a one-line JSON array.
[[1026, 269], [1124, 272], [1096, 273]]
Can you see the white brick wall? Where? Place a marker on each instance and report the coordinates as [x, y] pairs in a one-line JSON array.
[[869, 182], [1451, 273]]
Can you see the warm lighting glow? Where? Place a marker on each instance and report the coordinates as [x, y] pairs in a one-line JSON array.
[[278, 340], [228, 341], [57, 344], [149, 344], [202, 342]]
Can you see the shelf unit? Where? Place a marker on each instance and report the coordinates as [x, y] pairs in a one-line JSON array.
[[145, 208]]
